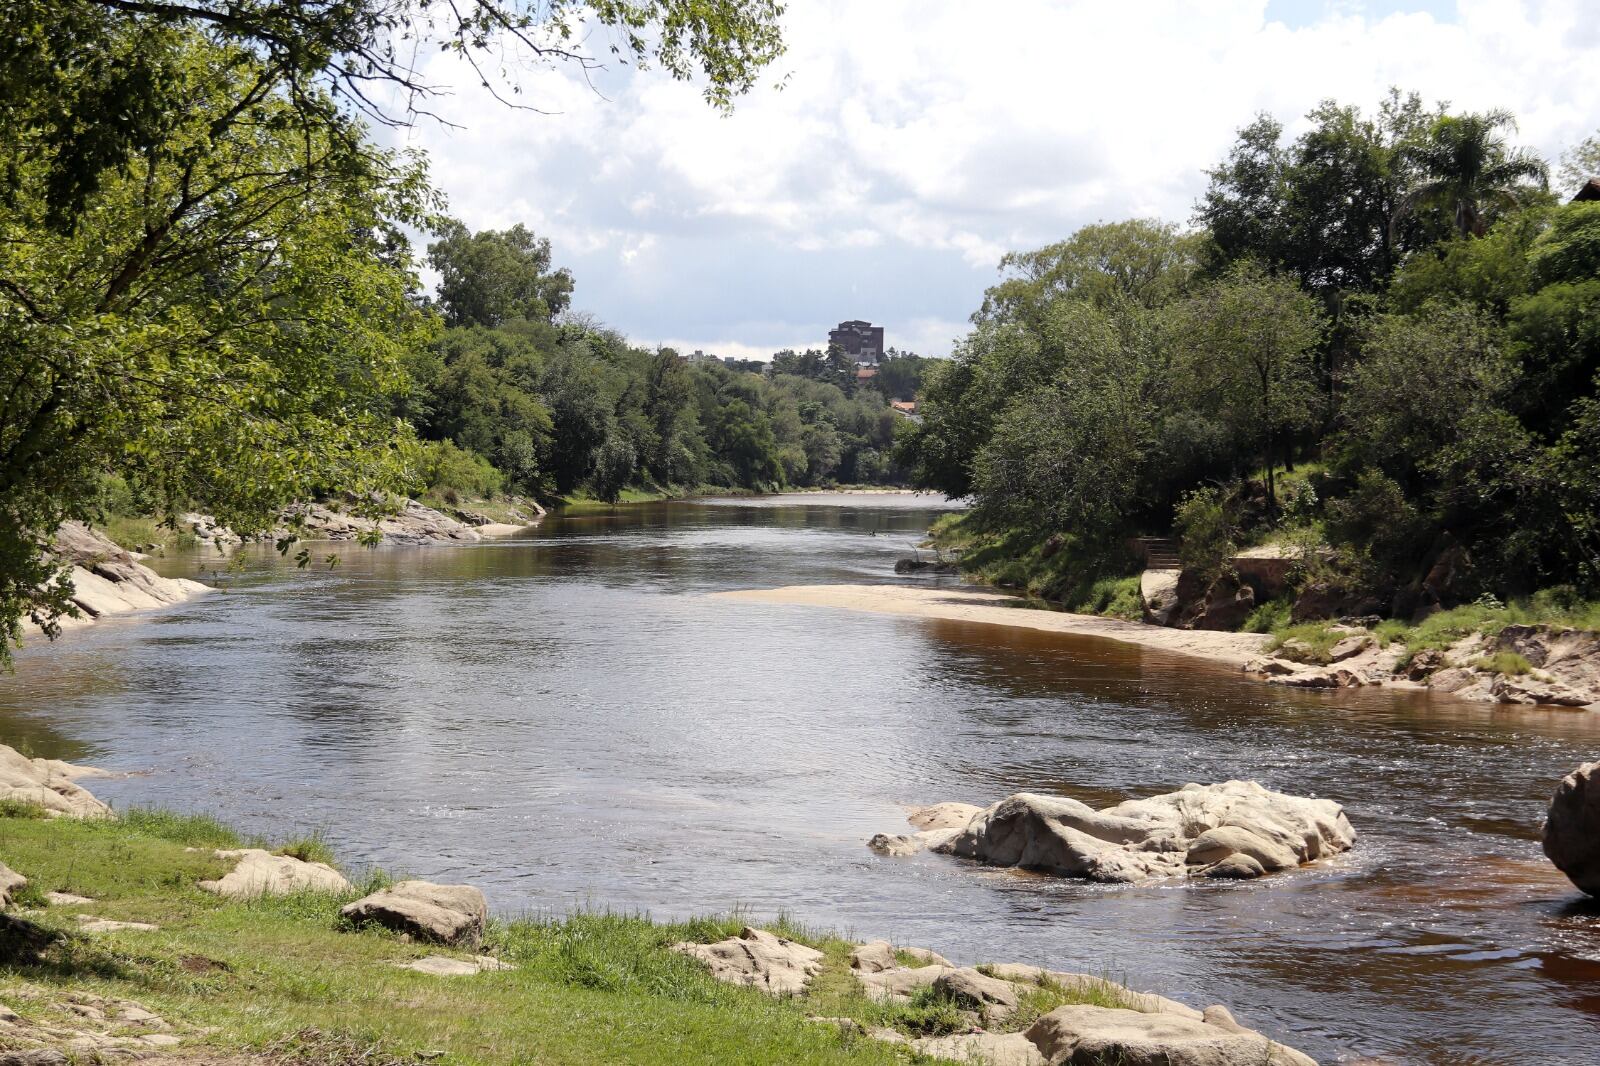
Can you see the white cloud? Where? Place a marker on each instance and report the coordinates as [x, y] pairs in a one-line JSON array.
[[914, 142]]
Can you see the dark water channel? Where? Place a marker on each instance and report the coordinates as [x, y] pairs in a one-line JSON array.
[[566, 719]]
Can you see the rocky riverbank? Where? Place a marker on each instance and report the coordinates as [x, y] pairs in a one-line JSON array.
[[1518, 664], [411, 522], [109, 580], [160, 933]]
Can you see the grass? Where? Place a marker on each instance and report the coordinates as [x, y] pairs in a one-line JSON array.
[[280, 976], [143, 533], [1505, 662], [1315, 641]]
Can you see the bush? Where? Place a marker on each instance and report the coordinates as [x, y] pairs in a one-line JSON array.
[[453, 473], [1269, 617], [1206, 532]]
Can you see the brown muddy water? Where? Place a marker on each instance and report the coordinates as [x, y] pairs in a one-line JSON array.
[[566, 719]]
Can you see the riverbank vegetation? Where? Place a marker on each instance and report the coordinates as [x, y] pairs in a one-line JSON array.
[[284, 979], [1378, 349]]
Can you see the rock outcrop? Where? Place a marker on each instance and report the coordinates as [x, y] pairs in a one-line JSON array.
[[414, 523], [759, 959], [1562, 666], [1231, 830], [1084, 1034], [445, 966], [445, 914], [261, 873], [107, 579], [50, 784], [1572, 828]]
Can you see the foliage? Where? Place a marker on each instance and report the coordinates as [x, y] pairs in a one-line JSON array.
[[225, 323], [1386, 319], [488, 277], [1505, 662]]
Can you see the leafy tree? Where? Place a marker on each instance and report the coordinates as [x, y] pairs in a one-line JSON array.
[[1250, 339], [488, 277], [1469, 173], [225, 322], [1580, 164], [328, 62]]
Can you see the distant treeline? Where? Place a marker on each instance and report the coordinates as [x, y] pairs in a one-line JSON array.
[[519, 395], [1379, 344]]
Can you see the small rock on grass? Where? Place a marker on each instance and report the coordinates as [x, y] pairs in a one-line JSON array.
[[66, 899], [446, 914], [445, 966], [88, 923]]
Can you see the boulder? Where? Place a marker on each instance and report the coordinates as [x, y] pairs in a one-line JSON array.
[[50, 784], [943, 816], [1424, 664], [1085, 1035], [969, 989], [1349, 647], [1235, 868], [1159, 597], [759, 959], [1572, 828], [445, 914], [898, 985], [904, 845], [875, 956], [925, 956], [10, 881], [1163, 836], [990, 1049], [1530, 690], [261, 873]]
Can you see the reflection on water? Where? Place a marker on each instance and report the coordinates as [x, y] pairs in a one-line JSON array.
[[565, 718]]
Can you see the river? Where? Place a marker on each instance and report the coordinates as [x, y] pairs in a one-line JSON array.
[[566, 719]]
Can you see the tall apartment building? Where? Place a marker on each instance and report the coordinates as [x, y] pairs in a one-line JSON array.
[[862, 341]]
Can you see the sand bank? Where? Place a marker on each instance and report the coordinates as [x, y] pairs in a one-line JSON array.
[[998, 608]]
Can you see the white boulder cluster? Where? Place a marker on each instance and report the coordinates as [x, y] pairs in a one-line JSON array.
[[1233, 830], [1140, 1030], [50, 784]]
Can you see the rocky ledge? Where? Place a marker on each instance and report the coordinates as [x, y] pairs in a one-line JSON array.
[[1234, 830], [333, 520], [107, 579], [1108, 1023], [50, 784], [1558, 667]]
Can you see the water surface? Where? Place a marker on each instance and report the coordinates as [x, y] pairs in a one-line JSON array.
[[566, 719]]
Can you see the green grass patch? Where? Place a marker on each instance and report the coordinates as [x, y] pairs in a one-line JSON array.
[[1308, 642], [1505, 662], [284, 977], [1269, 617], [145, 534]]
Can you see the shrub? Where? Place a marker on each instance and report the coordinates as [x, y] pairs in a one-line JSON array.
[[452, 473], [1207, 533], [1505, 662], [1269, 616]]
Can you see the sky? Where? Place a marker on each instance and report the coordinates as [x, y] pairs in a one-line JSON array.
[[899, 148]]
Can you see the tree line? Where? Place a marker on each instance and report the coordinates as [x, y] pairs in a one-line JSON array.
[[1378, 342]]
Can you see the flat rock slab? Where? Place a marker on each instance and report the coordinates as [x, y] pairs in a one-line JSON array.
[[1082, 1034], [65, 899], [446, 966], [1235, 829], [89, 923], [759, 959], [50, 784], [445, 914], [261, 873], [990, 1049]]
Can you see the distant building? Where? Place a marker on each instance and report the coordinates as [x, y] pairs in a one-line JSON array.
[[865, 374], [1590, 191], [703, 357], [907, 407], [861, 341]]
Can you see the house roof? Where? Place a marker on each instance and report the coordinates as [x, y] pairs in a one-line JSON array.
[[865, 372], [1590, 191]]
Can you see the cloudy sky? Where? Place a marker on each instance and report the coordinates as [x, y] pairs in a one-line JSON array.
[[914, 141]]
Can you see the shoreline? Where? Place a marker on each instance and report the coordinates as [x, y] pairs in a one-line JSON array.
[[992, 607]]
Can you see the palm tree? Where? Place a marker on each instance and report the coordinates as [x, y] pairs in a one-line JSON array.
[[1468, 170]]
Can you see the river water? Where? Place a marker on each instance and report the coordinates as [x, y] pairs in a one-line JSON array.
[[566, 719]]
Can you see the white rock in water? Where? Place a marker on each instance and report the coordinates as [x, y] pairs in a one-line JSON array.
[[1131, 1038], [1188, 831]]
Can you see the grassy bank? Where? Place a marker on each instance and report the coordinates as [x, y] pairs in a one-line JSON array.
[[281, 980], [1046, 569]]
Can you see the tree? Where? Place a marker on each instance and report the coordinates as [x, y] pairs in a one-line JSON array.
[[1580, 164], [1469, 173], [1249, 343], [332, 61], [490, 276], [225, 325]]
